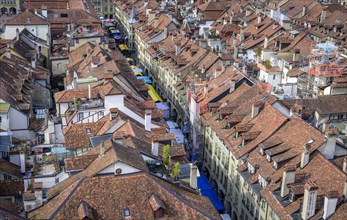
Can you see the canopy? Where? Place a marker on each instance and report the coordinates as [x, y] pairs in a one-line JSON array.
[[153, 94], [138, 73], [133, 66], [207, 190], [129, 59], [137, 70], [123, 47]]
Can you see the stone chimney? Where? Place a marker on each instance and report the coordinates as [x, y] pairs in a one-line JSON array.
[[193, 181], [266, 41], [345, 190], [89, 92], [33, 62], [148, 119], [178, 49], [151, 16], [242, 35], [309, 203], [156, 23], [288, 178], [323, 16], [8, 53], [165, 32], [102, 149], [344, 165], [218, 71], [155, 145], [330, 144], [330, 202], [22, 162], [255, 109], [305, 156], [44, 11], [232, 86], [205, 89], [259, 18], [303, 11], [38, 193]]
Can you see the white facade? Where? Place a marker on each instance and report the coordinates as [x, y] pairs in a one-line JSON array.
[[120, 167], [40, 31]]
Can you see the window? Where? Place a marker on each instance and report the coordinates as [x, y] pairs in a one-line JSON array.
[[7, 177], [80, 115], [88, 130], [101, 114], [274, 77], [0, 119]]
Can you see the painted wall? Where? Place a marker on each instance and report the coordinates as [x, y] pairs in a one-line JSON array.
[[41, 31]]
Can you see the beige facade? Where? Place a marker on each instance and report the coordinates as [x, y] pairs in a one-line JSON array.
[[104, 8], [9, 7]]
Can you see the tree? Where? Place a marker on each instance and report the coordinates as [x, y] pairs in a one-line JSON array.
[[267, 64], [259, 50], [166, 152], [175, 171]]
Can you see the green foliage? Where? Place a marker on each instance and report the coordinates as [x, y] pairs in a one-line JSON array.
[[259, 50], [166, 152], [267, 64], [175, 171]]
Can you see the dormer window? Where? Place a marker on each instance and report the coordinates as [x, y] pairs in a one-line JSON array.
[[268, 158], [291, 196], [126, 212], [275, 165]]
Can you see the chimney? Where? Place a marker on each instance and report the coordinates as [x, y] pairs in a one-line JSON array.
[[266, 41], [330, 144], [74, 83], [323, 16], [165, 32], [44, 11], [8, 53], [35, 11], [309, 203], [303, 11], [38, 193], [288, 178], [248, 12], [22, 162], [203, 69], [242, 35], [235, 52], [151, 16], [33, 62], [344, 165], [17, 34], [205, 89], [89, 92], [178, 49], [296, 53], [148, 119], [156, 23], [259, 19], [232, 86], [330, 202], [305, 156], [102, 149], [155, 145], [345, 190], [218, 71], [231, 19], [113, 113], [255, 109], [193, 181], [244, 70]]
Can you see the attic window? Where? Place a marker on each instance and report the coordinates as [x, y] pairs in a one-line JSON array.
[[88, 130], [126, 212], [28, 19]]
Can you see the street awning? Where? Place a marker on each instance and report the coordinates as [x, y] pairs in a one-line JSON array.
[[130, 59], [153, 94], [137, 70], [138, 73], [123, 47]]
